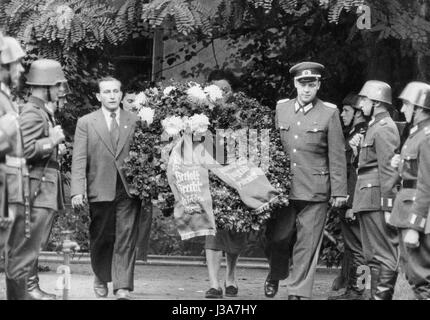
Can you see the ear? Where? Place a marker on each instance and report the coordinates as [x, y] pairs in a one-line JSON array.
[[318, 84], [98, 97], [296, 83], [121, 95]]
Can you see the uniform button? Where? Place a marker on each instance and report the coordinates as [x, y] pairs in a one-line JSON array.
[[294, 164], [315, 130], [294, 150], [298, 123], [296, 136], [405, 146], [413, 199], [408, 158], [369, 185], [281, 127], [403, 160]]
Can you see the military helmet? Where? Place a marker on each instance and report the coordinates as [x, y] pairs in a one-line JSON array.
[[350, 100], [376, 90], [45, 72], [10, 50], [417, 93]]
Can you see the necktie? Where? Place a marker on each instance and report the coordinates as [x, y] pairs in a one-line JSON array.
[[114, 130]]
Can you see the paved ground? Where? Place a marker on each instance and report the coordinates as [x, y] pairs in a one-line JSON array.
[[182, 282]]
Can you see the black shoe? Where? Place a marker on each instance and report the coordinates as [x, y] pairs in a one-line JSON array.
[[213, 293], [293, 297], [271, 288], [100, 288], [349, 295], [231, 291], [35, 293], [38, 294], [383, 281]]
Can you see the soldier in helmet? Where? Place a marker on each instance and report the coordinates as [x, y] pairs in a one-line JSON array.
[[374, 191], [311, 134], [13, 171], [355, 124], [411, 207], [41, 137]]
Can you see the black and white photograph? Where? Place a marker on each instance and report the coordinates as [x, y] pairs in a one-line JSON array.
[[221, 155]]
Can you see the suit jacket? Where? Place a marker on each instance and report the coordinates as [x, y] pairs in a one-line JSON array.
[[314, 143], [374, 190], [95, 164]]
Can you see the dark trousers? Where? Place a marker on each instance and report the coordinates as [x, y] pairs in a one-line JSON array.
[[352, 240], [417, 266], [113, 235], [380, 242], [22, 253], [298, 231]]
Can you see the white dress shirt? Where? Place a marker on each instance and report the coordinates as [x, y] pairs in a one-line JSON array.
[[108, 119]]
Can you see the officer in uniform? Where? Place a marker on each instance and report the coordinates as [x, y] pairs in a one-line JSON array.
[[355, 124], [374, 191], [311, 134], [410, 210], [41, 138], [14, 172]]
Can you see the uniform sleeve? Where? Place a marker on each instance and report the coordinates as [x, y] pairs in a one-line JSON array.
[[419, 213], [36, 145], [336, 157], [79, 159], [387, 140], [5, 145]]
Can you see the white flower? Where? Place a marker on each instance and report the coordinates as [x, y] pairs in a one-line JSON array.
[[199, 123], [214, 92], [140, 100], [168, 90], [146, 114], [197, 95], [173, 125]]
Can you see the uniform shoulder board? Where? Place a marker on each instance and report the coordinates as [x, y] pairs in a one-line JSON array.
[[330, 105], [283, 100], [427, 131]]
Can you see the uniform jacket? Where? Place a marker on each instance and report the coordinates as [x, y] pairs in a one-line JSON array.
[[95, 164], [413, 200], [14, 168], [314, 143], [375, 184], [352, 160], [41, 155]]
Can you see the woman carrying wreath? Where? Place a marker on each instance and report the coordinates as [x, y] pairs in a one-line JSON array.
[[229, 241]]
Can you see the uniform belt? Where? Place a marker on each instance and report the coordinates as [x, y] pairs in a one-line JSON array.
[[16, 162], [50, 164], [409, 184]]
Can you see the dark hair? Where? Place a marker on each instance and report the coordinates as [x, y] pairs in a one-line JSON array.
[[224, 74], [108, 78]]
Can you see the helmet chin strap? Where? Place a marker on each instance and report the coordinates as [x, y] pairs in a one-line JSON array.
[[411, 123]]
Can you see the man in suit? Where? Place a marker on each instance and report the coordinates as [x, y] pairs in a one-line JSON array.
[[41, 139], [312, 137], [355, 124], [102, 142]]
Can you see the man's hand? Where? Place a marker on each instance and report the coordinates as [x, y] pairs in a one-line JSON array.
[[56, 134], [6, 222], [78, 201], [349, 215], [411, 238], [395, 161], [9, 124], [338, 202]]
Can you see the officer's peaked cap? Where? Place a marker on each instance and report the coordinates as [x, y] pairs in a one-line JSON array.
[[307, 70]]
